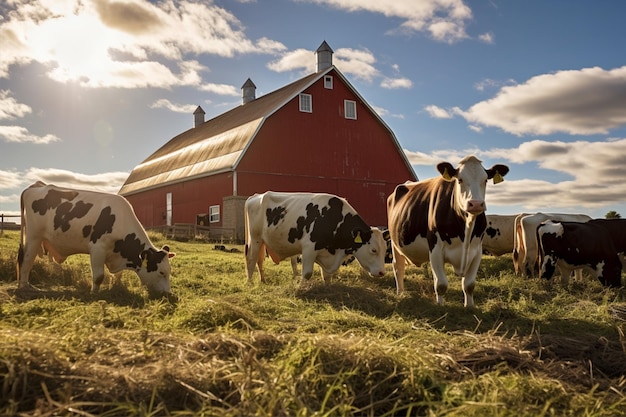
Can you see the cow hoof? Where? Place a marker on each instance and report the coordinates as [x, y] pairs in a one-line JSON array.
[[28, 287]]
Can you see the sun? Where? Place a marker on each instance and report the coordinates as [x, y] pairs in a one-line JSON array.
[[78, 47]]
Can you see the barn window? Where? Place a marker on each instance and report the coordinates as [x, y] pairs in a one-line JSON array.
[[214, 214], [328, 82], [306, 103], [349, 109]]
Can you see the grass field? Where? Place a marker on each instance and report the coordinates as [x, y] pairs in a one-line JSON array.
[[226, 347]]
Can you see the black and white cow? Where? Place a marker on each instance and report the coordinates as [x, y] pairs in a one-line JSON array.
[[526, 250], [499, 234], [324, 228], [442, 220], [64, 222], [596, 246]]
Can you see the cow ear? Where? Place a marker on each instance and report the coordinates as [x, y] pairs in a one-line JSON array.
[[447, 171], [171, 254], [497, 172], [165, 248]]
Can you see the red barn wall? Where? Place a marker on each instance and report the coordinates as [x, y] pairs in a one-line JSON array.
[[189, 199], [323, 151]]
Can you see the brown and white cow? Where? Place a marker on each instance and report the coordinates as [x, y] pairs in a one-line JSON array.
[[64, 222], [442, 220], [324, 228], [499, 234], [596, 246], [526, 250]]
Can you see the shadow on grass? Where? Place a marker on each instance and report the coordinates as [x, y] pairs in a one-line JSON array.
[[497, 307], [116, 295]]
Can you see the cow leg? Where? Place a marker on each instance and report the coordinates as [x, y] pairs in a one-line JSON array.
[[308, 259], [294, 265], [326, 275], [399, 266], [97, 271], [437, 265], [25, 259], [578, 274], [469, 282], [255, 255]]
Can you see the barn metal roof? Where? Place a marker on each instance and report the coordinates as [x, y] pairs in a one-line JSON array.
[[218, 144], [214, 146]]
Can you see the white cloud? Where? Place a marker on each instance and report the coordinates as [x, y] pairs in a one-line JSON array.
[[394, 83], [489, 83], [164, 103], [10, 179], [299, 59], [221, 89], [109, 182], [356, 62], [437, 112], [19, 134], [443, 20], [9, 107], [487, 37], [578, 102]]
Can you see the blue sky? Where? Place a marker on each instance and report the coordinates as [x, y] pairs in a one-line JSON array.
[[90, 88]]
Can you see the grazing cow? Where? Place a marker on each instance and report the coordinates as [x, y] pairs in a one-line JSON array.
[[498, 237], [442, 220], [526, 249], [64, 222], [594, 246], [324, 228]]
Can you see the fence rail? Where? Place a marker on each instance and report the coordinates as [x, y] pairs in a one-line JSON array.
[[6, 225], [182, 231], [188, 231]]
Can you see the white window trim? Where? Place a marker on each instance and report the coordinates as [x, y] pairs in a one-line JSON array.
[[345, 109], [214, 214], [303, 104], [328, 82]]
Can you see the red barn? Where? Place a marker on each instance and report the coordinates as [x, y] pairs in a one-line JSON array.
[[316, 134]]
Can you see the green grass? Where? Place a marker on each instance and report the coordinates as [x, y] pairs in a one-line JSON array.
[[226, 347]]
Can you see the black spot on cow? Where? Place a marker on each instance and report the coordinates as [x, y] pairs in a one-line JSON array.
[[103, 225], [52, 200], [329, 229], [492, 232], [131, 249], [274, 215], [67, 211], [152, 257], [304, 222]]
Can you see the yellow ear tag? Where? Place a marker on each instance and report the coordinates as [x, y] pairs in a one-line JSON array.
[[497, 178], [357, 238], [446, 176], [144, 263]]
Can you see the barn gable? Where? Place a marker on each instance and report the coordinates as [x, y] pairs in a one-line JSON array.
[[340, 145]]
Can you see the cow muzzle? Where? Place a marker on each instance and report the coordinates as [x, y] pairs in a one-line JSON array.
[[476, 206]]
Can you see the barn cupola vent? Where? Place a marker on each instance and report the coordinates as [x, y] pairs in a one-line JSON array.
[[248, 91], [324, 57], [198, 116]]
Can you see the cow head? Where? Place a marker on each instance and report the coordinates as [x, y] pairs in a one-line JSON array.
[[371, 253], [155, 270], [470, 182]]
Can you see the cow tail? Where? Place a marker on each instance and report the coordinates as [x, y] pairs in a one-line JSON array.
[[20, 251]]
